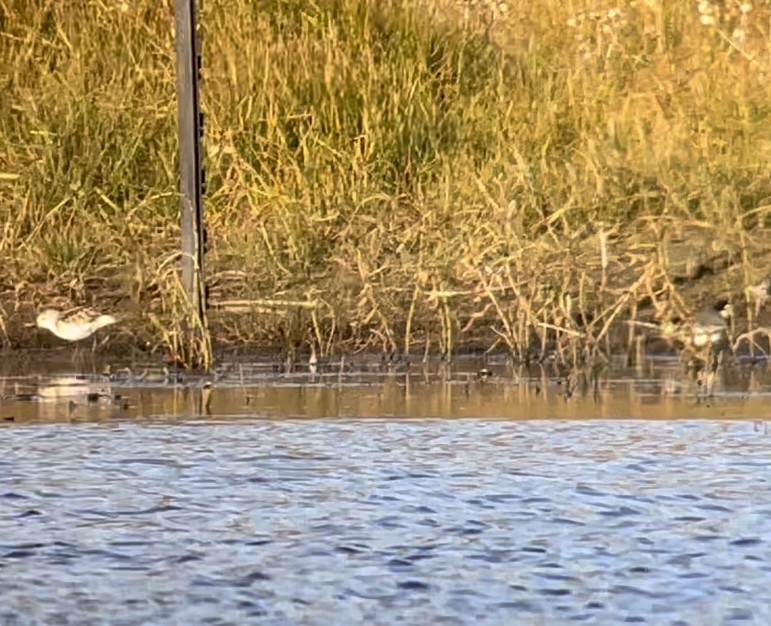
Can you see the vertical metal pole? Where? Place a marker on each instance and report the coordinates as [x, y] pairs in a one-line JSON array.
[[195, 346]]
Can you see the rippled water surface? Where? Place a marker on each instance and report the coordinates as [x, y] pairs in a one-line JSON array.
[[151, 508]]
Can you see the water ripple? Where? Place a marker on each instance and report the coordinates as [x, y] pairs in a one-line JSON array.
[[384, 522]]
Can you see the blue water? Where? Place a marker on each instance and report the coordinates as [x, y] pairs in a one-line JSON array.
[[386, 522]]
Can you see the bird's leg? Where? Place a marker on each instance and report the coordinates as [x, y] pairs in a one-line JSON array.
[[76, 354]]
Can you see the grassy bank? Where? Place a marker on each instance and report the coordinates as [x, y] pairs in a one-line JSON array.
[[389, 174]]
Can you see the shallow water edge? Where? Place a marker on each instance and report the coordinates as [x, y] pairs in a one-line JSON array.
[[50, 390]]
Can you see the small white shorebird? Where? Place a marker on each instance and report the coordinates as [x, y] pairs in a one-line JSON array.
[[707, 331], [708, 328], [75, 324], [704, 339]]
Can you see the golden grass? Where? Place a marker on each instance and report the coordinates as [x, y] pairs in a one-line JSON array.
[[412, 173]]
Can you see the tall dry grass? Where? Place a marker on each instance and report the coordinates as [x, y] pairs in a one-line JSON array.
[[391, 173]]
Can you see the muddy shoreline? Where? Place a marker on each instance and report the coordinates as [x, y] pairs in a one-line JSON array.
[[472, 318]]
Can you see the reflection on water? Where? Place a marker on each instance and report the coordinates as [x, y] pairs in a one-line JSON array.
[[149, 497], [470, 389], [386, 522]]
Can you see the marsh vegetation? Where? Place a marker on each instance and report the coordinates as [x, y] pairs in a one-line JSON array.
[[387, 174]]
